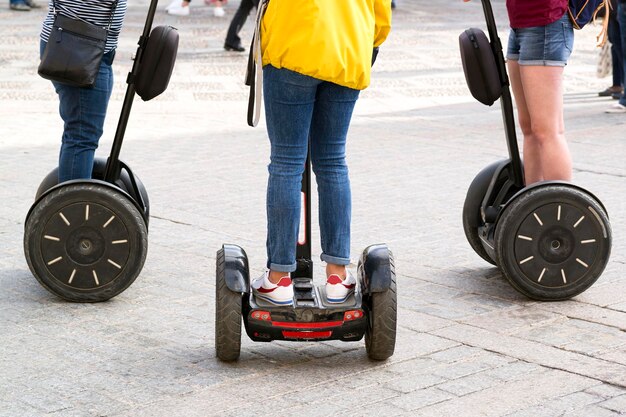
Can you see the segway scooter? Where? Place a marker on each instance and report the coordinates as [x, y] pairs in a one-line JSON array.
[[87, 240], [369, 312], [551, 239]]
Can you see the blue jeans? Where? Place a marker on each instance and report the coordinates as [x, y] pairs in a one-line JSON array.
[[299, 107], [83, 111], [621, 18], [549, 45]]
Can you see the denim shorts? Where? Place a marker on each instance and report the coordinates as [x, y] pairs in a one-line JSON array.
[[549, 45]]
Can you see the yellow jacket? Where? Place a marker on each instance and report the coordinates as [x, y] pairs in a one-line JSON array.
[[331, 40]]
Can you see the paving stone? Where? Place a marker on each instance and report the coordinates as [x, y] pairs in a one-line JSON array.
[[617, 404], [526, 393], [466, 385], [535, 352], [592, 410], [417, 400], [606, 390]]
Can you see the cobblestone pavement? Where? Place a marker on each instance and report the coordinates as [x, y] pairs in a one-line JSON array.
[[468, 344]]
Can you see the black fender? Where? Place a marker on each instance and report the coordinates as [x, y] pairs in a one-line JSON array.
[[374, 269], [85, 182], [128, 182], [479, 189], [236, 270], [548, 183]]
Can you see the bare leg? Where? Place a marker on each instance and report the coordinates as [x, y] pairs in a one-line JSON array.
[[275, 276], [339, 270], [532, 163], [546, 154]]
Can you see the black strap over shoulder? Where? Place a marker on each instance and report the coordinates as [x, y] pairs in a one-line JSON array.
[[113, 7]]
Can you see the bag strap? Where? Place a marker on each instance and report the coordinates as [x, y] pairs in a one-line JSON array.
[[254, 73], [113, 8], [603, 35]]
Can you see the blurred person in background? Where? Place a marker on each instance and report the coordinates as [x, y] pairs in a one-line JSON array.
[[620, 107], [23, 5], [233, 41], [615, 91]]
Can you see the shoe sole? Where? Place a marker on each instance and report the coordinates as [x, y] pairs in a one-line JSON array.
[[338, 300], [275, 302]]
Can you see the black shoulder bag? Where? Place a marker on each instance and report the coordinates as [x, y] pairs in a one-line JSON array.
[[73, 53]]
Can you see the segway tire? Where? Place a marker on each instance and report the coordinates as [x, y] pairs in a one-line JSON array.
[[471, 209], [227, 314], [380, 334], [553, 242], [85, 242]]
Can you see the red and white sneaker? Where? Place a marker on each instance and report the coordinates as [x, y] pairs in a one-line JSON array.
[[279, 294], [338, 290]]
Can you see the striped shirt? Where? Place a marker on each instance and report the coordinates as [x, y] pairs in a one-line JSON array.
[[97, 12]]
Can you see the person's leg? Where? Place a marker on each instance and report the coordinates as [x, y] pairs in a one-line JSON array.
[[616, 51], [621, 18], [289, 98], [532, 164], [329, 129], [549, 157], [19, 5], [233, 41], [83, 111], [537, 83]]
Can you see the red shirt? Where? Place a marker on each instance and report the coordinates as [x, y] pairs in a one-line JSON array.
[[531, 13]]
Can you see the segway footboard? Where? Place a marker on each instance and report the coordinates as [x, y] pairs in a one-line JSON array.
[[311, 318]]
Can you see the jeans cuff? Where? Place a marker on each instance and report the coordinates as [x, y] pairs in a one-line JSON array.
[[282, 267], [334, 260]]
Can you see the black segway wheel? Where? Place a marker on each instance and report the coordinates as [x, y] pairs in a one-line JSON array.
[[380, 334], [85, 242], [471, 209], [227, 315], [553, 242]]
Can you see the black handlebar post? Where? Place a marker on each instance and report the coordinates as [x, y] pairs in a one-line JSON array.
[[506, 100], [113, 168], [303, 249]]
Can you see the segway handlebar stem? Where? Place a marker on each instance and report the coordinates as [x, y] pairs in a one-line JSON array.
[[506, 100], [303, 249], [113, 167]]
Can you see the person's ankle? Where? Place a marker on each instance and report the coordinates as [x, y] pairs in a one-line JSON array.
[[333, 269], [275, 276]]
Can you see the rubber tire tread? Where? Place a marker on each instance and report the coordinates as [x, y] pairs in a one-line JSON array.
[[227, 314], [504, 234], [34, 222], [380, 335]]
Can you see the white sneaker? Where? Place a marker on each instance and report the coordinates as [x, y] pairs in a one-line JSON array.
[[174, 4], [179, 11], [279, 294], [616, 108], [219, 11], [338, 290]]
